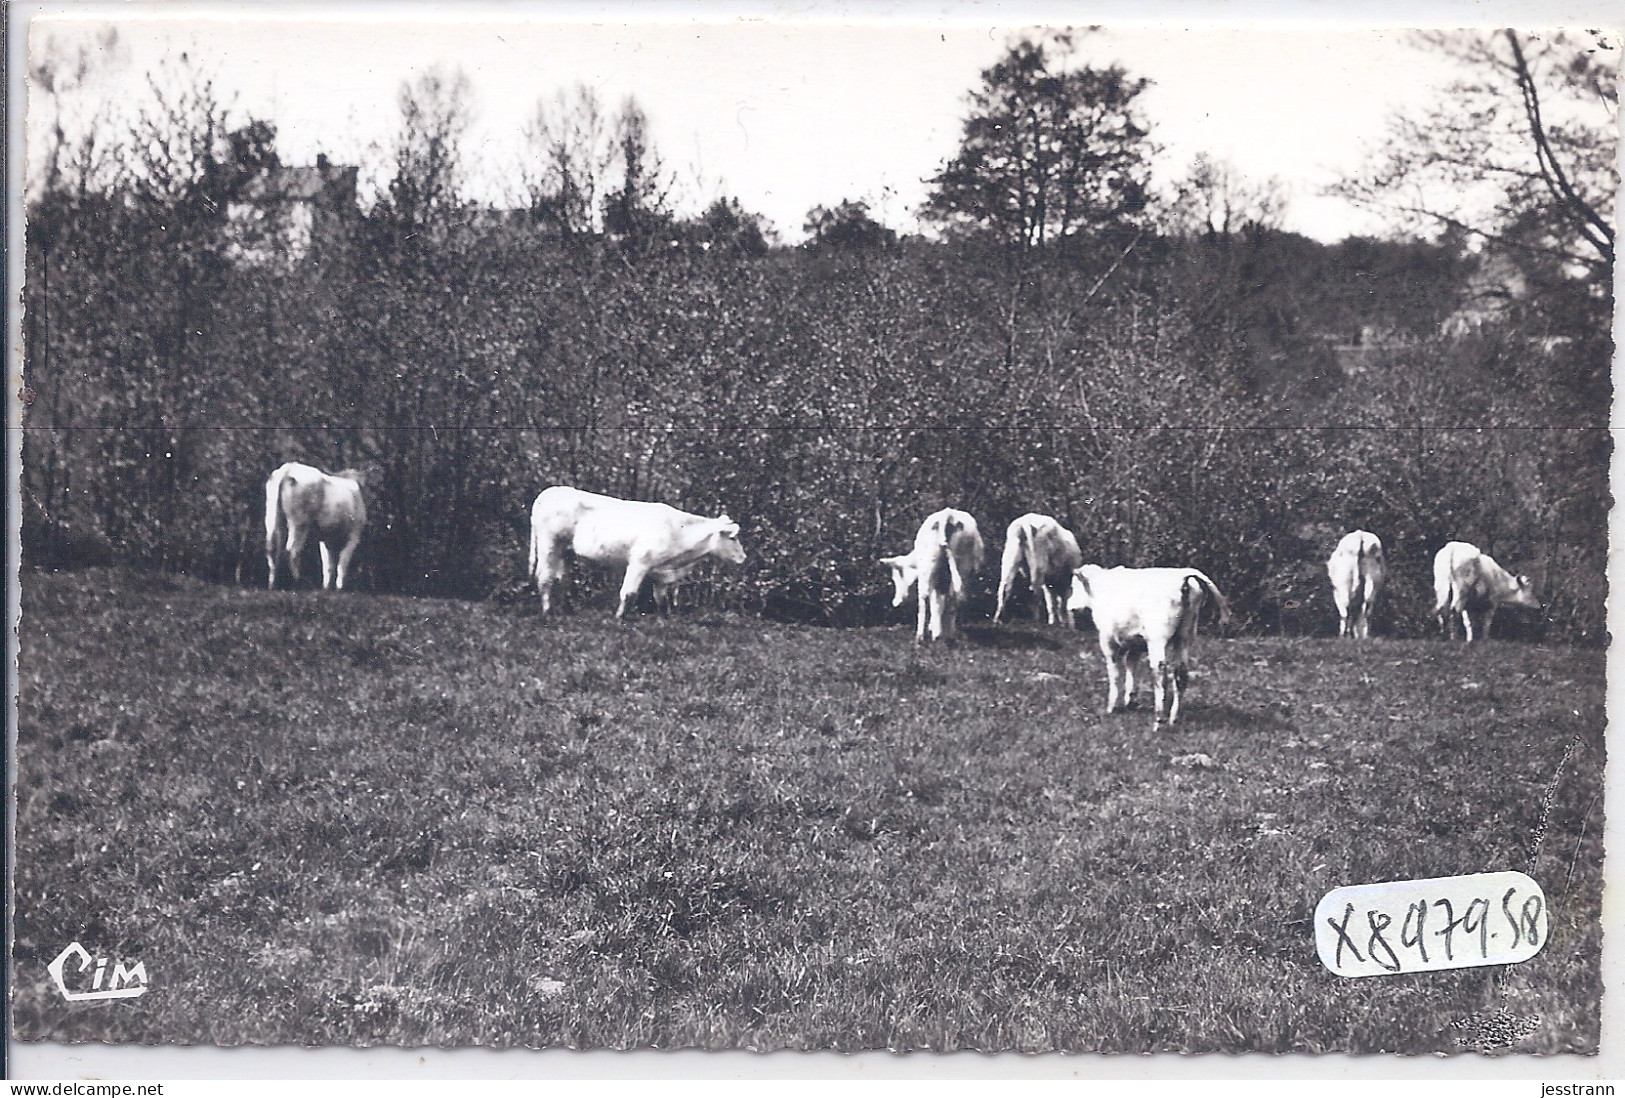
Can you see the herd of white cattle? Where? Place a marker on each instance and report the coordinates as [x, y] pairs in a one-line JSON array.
[[1156, 608]]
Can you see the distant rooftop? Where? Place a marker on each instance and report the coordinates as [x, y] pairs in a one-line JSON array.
[[299, 184]]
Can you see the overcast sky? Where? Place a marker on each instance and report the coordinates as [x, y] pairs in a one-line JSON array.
[[783, 116]]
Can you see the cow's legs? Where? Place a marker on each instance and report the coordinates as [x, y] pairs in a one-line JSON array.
[[344, 557], [1062, 613], [636, 573], [1007, 583], [1161, 682], [665, 594], [327, 563], [271, 549], [939, 615], [948, 617], [550, 566], [1447, 620], [1063, 603], [1466, 624], [1489, 616], [922, 614], [1178, 675], [296, 546], [1116, 669], [1365, 618]]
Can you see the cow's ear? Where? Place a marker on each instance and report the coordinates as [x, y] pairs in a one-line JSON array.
[[1081, 578], [730, 528], [723, 518], [1523, 581]]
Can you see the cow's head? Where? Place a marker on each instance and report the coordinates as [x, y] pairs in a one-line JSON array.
[[1082, 596], [904, 575], [1522, 593], [725, 541]]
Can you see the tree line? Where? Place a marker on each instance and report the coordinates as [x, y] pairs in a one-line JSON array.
[[1168, 372]]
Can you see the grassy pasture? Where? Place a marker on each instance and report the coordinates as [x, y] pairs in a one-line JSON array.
[[332, 819]]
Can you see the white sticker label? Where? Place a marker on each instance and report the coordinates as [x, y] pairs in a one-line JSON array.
[[1425, 926]]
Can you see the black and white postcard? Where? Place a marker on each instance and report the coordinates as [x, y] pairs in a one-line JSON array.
[[764, 532]]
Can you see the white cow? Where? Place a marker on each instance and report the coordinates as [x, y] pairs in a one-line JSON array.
[[651, 539], [1156, 605], [1466, 581], [947, 550], [301, 498], [1357, 570], [1049, 554]]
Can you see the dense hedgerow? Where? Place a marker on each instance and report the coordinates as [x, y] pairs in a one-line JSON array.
[[1182, 405]]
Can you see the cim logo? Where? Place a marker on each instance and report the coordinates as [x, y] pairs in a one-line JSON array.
[[122, 983]]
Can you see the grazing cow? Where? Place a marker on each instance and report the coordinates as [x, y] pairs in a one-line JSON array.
[[1049, 554], [947, 550], [651, 539], [1356, 569], [301, 498], [1156, 605], [1466, 581]]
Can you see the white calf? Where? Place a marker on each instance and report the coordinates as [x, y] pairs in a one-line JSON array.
[[301, 498], [947, 550], [1158, 606], [1356, 569], [1049, 554], [1466, 581], [652, 540]]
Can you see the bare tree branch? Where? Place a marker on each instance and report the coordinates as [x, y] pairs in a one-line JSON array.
[[1576, 208]]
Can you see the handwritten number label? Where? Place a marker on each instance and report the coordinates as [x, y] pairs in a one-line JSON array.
[[1424, 926], [1534, 911], [1415, 939], [1378, 948]]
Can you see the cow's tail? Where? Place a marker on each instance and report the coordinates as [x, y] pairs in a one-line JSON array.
[[1193, 576], [276, 524], [1029, 554], [945, 576], [535, 549], [1444, 587], [1357, 592]]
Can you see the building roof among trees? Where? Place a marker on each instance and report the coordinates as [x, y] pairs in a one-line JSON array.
[[286, 183]]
